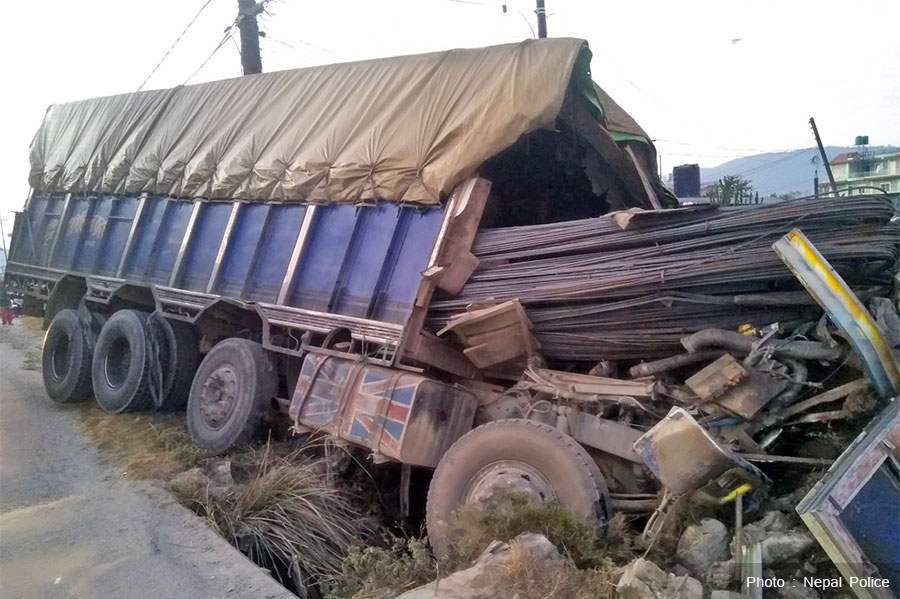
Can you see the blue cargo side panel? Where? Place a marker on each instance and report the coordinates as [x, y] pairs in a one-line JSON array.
[[275, 249], [201, 254], [241, 249], [365, 260], [320, 263], [118, 226], [73, 228], [88, 252], [141, 255], [168, 241], [45, 231], [403, 273]]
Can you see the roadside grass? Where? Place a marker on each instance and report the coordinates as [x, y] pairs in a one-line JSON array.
[[525, 577], [511, 515], [587, 570], [287, 518], [146, 445], [374, 572]]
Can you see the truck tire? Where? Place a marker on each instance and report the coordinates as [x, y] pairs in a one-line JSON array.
[[230, 394], [66, 358], [179, 358], [519, 456], [121, 368]]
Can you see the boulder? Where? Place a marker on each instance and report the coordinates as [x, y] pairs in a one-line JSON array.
[[703, 545], [781, 548], [642, 579], [481, 579], [720, 575], [755, 532], [189, 485]]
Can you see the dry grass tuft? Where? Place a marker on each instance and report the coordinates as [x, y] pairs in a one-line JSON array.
[[525, 577], [146, 445], [370, 572], [510, 515], [288, 519]]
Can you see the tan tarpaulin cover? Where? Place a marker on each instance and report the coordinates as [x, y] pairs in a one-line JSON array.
[[406, 128]]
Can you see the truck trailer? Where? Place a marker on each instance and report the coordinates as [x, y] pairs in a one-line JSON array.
[[268, 247]]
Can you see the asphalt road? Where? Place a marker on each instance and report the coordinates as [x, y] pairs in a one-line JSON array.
[[71, 527]]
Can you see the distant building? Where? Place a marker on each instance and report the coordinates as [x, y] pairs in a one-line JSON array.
[[862, 172]]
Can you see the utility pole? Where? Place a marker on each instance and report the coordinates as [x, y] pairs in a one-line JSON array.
[[542, 19], [812, 123], [248, 10]]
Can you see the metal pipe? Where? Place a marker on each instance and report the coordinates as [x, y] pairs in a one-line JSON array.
[[673, 362], [738, 343]]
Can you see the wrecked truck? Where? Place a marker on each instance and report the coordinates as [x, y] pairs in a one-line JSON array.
[[358, 249]]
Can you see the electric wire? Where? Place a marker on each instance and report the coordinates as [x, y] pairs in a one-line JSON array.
[[175, 43]]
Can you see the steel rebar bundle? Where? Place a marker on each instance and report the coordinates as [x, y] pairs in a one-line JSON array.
[[595, 291]]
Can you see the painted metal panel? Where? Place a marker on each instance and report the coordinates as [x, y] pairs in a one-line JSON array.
[[396, 296], [365, 260], [73, 227], [844, 308], [268, 273], [318, 271], [140, 257], [239, 255], [88, 252], [359, 261], [45, 231], [201, 253], [113, 244], [168, 242], [398, 414]]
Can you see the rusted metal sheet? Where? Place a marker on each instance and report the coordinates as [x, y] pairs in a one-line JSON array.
[[716, 378], [605, 435], [683, 456], [396, 413], [750, 395]]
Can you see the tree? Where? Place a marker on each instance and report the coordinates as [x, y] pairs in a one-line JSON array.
[[733, 189]]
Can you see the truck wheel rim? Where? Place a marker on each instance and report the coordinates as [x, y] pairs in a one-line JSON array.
[[116, 362], [508, 477], [59, 357], [219, 397]]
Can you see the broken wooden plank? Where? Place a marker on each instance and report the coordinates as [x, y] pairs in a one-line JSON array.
[[456, 274], [827, 397]]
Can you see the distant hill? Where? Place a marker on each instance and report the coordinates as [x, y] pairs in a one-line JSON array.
[[776, 172]]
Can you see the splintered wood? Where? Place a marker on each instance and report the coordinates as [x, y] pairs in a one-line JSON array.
[[494, 335]]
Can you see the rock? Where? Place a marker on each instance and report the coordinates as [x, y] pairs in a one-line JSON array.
[[784, 547], [720, 575], [190, 485], [642, 579], [221, 482], [756, 532], [775, 521], [796, 591], [702, 546], [481, 579]]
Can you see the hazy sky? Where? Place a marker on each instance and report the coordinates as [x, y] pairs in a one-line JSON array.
[[711, 80]]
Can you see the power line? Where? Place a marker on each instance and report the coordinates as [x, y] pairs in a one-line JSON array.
[[175, 43], [228, 34], [287, 45]]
